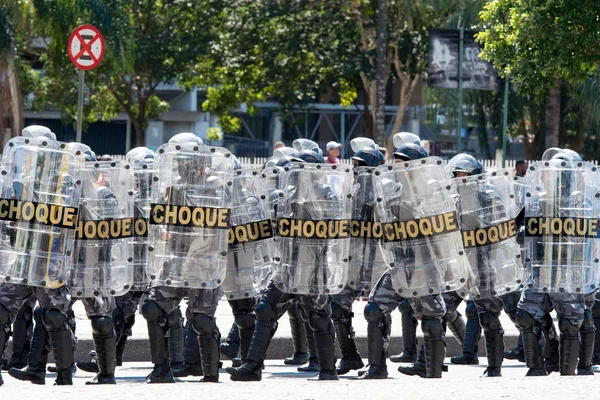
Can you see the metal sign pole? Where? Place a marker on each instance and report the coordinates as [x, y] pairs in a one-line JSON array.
[[460, 88], [505, 122], [80, 106]]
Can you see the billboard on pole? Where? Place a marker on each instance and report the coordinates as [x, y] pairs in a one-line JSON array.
[[444, 45]]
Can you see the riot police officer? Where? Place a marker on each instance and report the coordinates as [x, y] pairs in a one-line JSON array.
[[29, 163], [188, 257], [303, 193], [562, 268]]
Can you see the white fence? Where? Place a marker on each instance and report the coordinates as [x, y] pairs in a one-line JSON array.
[[258, 162]]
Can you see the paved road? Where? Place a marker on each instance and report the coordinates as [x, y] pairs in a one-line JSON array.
[[279, 381]]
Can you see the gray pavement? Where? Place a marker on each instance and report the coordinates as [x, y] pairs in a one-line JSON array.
[[283, 382], [137, 348]]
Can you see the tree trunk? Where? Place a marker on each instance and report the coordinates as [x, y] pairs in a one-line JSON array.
[[579, 144], [139, 132], [15, 97], [380, 74], [553, 117]]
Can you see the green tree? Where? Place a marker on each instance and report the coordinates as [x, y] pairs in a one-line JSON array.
[[148, 42], [17, 31], [540, 45], [291, 52]]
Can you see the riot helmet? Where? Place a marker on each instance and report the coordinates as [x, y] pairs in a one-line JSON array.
[[308, 156], [402, 138], [360, 143], [283, 151], [38, 130], [368, 157], [186, 138], [410, 151], [465, 164], [567, 155], [139, 155]]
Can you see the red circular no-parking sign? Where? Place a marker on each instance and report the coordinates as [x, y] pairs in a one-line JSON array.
[[86, 47]]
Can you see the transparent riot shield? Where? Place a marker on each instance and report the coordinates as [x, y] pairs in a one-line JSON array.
[[313, 215], [143, 177], [38, 211], [487, 214], [367, 262], [249, 260], [561, 227], [189, 219], [103, 255], [519, 191], [420, 227]]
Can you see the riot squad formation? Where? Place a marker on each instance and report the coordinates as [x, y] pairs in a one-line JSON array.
[[300, 236]]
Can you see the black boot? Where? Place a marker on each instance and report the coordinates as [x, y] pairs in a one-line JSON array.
[[418, 368], [409, 338], [586, 348], [209, 341], [35, 371], [435, 353], [91, 365], [20, 338], [266, 326], [494, 342], [596, 356], [231, 346], [517, 353], [313, 360], [156, 319], [458, 328], [531, 345], [105, 342], [324, 338], [175, 321], [351, 359], [4, 330], [470, 346], [192, 365], [551, 348], [378, 331], [300, 356], [494, 345], [209, 355], [569, 346], [61, 340]]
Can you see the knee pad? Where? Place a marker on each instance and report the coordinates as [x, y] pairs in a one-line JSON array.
[[151, 311], [471, 310], [37, 315], [524, 320], [244, 321], [175, 319], [404, 306], [490, 322], [54, 320], [319, 322], [567, 328], [432, 328], [102, 326], [26, 312], [372, 313], [203, 324], [264, 311]]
